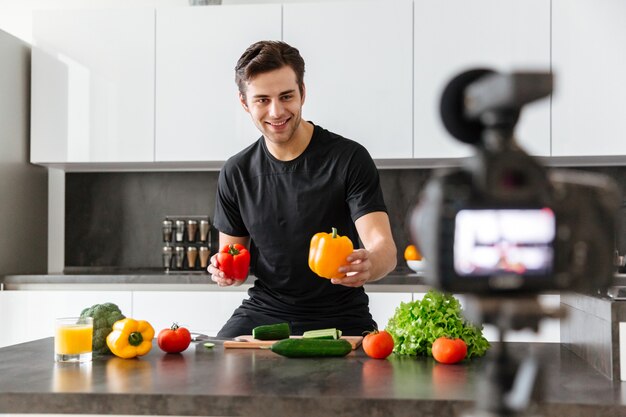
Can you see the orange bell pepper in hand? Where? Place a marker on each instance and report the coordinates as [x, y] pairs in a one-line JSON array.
[[328, 252]]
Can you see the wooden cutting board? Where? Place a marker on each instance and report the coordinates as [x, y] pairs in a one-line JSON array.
[[252, 343]]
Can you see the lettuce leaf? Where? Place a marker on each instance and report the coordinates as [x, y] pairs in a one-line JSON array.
[[417, 324]]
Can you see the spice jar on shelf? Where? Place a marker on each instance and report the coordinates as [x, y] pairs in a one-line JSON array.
[[187, 243], [205, 253], [192, 255], [180, 230]]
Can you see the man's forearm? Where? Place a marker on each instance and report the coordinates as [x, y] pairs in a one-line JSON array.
[[383, 259]]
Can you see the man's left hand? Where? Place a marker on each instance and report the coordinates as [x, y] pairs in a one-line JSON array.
[[357, 272]]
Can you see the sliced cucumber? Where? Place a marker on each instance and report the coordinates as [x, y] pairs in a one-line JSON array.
[[209, 345], [322, 334], [311, 348], [272, 331]]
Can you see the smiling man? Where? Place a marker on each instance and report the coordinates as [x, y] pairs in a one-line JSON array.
[[296, 180]]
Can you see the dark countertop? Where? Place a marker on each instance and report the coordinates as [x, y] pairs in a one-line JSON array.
[[249, 382], [402, 280]]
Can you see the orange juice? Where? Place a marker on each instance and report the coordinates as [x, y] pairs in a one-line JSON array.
[[73, 339]]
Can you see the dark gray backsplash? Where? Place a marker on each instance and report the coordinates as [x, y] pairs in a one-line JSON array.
[[113, 219]]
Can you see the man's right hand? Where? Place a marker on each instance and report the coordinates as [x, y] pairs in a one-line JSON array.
[[219, 277]]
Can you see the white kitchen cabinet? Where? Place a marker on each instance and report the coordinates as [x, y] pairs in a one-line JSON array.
[[358, 70], [589, 62], [549, 329], [199, 311], [198, 114], [29, 315], [92, 96], [456, 35], [383, 305]]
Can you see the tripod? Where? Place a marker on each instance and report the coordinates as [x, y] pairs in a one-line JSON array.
[[508, 386]]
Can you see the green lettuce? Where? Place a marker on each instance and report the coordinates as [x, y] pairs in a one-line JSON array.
[[417, 324]]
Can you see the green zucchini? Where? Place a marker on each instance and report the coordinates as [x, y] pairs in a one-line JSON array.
[[272, 331], [322, 334], [311, 348]]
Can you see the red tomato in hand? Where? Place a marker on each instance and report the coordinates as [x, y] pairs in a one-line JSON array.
[[378, 345], [174, 340], [449, 350]]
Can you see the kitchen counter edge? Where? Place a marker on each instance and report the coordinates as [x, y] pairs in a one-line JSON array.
[[174, 281]]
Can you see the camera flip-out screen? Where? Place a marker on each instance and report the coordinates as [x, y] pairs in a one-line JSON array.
[[504, 241]]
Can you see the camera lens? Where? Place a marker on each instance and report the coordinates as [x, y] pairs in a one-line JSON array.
[[513, 179]]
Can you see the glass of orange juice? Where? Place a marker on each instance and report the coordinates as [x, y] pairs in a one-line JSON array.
[[72, 339]]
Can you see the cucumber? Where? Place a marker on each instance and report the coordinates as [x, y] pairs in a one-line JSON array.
[[322, 334], [272, 331], [311, 348]]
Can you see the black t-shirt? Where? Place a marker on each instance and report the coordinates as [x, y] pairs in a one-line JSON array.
[[281, 205]]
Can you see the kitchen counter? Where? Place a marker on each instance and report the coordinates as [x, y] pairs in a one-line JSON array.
[[400, 280], [156, 279], [250, 382]]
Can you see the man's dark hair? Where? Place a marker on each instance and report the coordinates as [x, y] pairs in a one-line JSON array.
[[265, 56]]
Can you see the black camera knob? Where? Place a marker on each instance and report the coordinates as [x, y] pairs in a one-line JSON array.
[[452, 107]]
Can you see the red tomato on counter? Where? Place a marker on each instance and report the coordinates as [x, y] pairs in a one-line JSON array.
[[174, 340], [378, 345], [449, 350]]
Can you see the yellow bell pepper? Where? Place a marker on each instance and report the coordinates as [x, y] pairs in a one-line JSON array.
[[328, 252], [130, 338]]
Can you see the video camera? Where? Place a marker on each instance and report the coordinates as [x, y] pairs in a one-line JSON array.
[[502, 223], [503, 228]]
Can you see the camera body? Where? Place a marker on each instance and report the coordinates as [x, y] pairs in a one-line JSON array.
[[501, 222]]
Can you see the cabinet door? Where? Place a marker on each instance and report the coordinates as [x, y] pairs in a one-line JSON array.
[[358, 70], [383, 306], [13, 313], [548, 331], [200, 311], [589, 61], [31, 314], [198, 115], [93, 86], [456, 35]]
